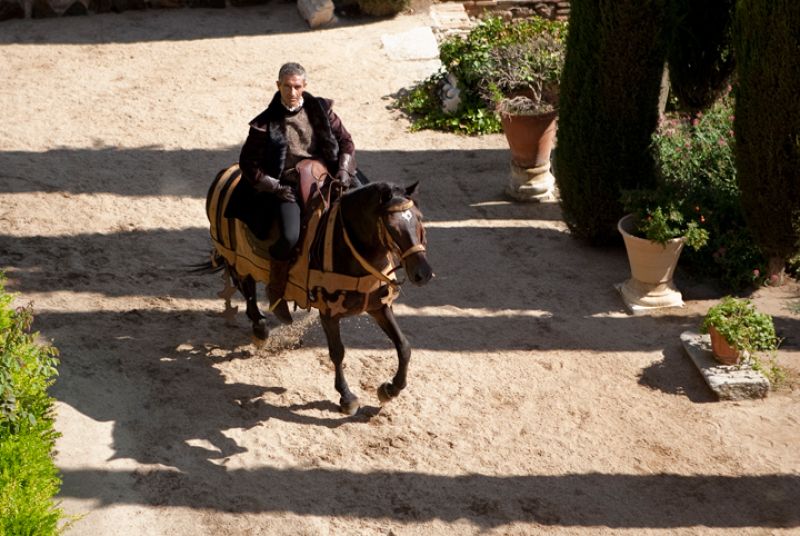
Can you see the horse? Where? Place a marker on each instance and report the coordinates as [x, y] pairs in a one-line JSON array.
[[349, 252]]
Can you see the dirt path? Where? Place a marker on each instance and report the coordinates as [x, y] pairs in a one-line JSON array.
[[535, 403]]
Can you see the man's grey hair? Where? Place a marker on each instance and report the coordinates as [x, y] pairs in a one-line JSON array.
[[291, 69]]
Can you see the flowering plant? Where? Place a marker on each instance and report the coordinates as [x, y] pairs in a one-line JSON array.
[[695, 155]]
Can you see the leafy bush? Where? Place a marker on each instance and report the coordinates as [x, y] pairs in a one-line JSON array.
[[28, 476], [494, 57], [695, 159]]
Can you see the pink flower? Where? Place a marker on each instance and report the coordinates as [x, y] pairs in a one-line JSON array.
[[722, 142], [695, 122], [756, 273]]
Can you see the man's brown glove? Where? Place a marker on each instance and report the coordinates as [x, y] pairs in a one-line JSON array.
[[271, 185], [347, 170]]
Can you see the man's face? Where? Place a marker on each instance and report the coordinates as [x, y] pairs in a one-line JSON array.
[[291, 88]]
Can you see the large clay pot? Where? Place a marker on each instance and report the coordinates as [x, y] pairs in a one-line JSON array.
[[530, 139], [652, 268]]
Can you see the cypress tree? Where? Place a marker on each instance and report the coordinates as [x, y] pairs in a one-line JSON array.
[[608, 110], [767, 123], [700, 54]]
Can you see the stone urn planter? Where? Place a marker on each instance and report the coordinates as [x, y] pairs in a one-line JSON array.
[[652, 268], [530, 139]]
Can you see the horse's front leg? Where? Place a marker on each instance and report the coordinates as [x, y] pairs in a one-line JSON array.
[[385, 319], [348, 402]]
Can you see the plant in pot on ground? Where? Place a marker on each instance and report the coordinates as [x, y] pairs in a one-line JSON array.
[[660, 223], [495, 56], [664, 214], [739, 331]]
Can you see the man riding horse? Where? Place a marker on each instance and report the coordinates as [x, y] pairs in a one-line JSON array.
[[296, 127]]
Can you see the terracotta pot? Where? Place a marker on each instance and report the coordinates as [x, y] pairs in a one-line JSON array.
[[722, 349], [530, 138], [652, 267]]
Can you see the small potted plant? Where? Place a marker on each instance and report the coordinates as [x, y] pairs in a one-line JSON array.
[[660, 222], [738, 330]]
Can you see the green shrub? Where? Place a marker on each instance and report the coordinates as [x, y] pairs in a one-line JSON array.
[[695, 158], [482, 70], [28, 476], [700, 52], [608, 110], [767, 124]]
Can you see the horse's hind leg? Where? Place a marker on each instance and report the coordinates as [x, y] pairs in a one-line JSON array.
[[348, 402], [247, 286], [385, 319]]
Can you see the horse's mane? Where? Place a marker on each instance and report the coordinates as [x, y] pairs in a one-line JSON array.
[[373, 196]]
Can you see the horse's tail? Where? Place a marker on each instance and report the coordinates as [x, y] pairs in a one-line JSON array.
[[214, 264]]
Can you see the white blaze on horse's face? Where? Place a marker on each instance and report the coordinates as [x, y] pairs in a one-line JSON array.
[[406, 215]]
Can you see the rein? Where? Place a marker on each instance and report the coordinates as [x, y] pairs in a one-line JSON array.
[[387, 241]]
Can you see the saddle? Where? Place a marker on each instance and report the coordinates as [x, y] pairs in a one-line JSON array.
[[249, 255]]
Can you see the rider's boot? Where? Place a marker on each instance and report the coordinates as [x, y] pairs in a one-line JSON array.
[[278, 276]]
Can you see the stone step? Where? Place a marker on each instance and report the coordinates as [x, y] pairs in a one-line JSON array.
[[449, 18], [729, 382]]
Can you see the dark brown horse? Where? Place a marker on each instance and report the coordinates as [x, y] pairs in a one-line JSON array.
[[345, 265]]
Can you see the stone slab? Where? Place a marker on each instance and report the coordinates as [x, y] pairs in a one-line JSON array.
[[729, 382], [414, 44]]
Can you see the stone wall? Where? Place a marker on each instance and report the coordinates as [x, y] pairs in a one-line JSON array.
[[511, 9], [9, 9]]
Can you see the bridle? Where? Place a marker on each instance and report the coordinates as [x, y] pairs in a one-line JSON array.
[[387, 241]]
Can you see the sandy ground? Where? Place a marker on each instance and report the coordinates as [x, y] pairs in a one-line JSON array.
[[535, 404]]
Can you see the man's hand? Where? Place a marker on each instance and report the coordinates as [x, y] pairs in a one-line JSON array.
[[344, 178], [271, 185], [285, 194], [347, 169]]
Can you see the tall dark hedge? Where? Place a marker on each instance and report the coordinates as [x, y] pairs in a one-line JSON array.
[[608, 110], [767, 123], [700, 51]]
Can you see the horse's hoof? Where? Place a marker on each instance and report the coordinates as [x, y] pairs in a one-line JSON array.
[[385, 392], [349, 408], [260, 331], [259, 342]]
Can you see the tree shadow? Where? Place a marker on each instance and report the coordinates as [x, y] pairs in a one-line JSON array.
[[659, 501], [274, 17]]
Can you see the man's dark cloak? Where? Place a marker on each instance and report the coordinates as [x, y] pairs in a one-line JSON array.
[[264, 153]]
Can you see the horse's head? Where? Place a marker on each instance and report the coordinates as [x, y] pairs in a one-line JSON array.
[[402, 232]]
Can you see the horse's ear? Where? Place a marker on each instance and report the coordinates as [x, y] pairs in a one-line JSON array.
[[413, 190], [386, 194]]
